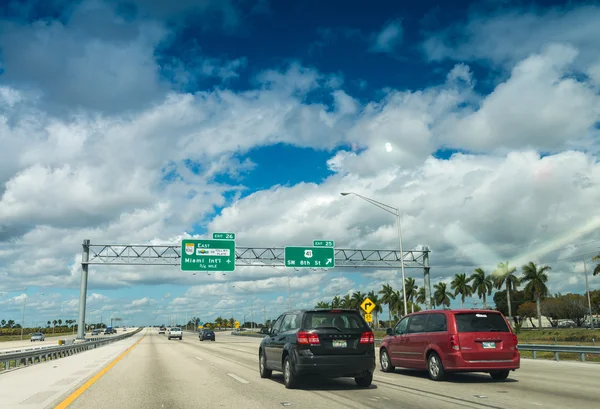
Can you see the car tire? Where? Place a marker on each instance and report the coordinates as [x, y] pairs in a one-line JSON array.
[[364, 381], [290, 380], [435, 368], [262, 366], [180, 338], [213, 339], [201, 339], [385, 363], [499, 375]]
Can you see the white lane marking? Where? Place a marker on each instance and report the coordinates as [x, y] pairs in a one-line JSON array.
[[237, 378], [199, 359]]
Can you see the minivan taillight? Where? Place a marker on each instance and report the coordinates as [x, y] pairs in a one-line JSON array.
[[367, 338], [515, 340], [454, 344], [307, 338]]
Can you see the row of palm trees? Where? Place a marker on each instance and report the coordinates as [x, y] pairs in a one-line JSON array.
[[464, 286]]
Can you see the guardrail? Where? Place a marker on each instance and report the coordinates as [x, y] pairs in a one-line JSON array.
[[582, 350], [13, 359], [66, 342]]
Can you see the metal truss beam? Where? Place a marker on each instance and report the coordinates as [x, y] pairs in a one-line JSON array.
[[167, 255], [170, 255]]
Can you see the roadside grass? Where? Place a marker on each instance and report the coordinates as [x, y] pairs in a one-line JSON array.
[[563, 336]]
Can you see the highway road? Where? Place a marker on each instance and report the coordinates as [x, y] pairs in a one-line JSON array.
[[158, 373], [9, 346]]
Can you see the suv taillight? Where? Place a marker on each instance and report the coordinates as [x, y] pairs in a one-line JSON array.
[[367, 338], [515, 340], [307, 338], [454, 344]]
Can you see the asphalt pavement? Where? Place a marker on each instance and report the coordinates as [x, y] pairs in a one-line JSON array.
[[158, 373]]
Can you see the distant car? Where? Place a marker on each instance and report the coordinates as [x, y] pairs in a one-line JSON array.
[[175, 333], [96, 332], [37, 336], [207, 334], [162, 330], [334, 343], [444, 341]]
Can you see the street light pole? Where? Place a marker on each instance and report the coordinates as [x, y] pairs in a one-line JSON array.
[[396, 212], [23, 318]]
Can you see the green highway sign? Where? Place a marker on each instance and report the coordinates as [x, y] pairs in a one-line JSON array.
[[224, 236], [309, 257], [323, 243], [208, 255]]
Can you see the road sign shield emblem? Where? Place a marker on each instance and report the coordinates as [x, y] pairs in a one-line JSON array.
[[308, 253], [189, 248]]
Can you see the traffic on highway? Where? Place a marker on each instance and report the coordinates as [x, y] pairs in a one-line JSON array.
[[148, 370]]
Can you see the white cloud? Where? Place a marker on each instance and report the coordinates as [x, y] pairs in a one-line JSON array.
[[142, 302], [508, 37], [556, 112], [388, 38], [126, 177]]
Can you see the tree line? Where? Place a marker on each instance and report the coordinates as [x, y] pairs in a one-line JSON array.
[[533, 279]]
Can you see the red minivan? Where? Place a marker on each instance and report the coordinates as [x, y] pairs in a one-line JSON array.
[[443, 341]]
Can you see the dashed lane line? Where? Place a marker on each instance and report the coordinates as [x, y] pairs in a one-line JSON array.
[[237, 378]]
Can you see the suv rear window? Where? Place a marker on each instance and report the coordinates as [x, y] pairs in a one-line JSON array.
[[481, 322], [342, 320], [175, 329]]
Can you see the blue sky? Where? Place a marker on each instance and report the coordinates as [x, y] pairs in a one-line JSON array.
[[252, 116]]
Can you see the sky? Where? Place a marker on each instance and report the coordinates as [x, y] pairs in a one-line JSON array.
[[141, 121]]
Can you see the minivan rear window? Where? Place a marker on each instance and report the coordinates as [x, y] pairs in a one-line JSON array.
[[341, 320], [481, 322]]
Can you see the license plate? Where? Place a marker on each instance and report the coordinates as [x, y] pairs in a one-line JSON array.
[[488, 345], [339, 344]]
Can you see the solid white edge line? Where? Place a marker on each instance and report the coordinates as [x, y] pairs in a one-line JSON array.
[[237, 378], [199, 359]]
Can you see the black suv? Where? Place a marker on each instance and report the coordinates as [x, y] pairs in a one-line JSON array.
[[206, 334], [333, 343]]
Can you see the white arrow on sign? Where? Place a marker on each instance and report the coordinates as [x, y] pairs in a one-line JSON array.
[[328, 261], [228, 261]]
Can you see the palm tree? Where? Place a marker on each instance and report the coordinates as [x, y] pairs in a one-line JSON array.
[[387, 298], [536, 279], [597, 268], [411, 288], [505, 276], [421, 297], [336, 302], [232, 322], [441, 295], [378, 309], [357, 300], [482, 285], [461, 286], [322, 304]]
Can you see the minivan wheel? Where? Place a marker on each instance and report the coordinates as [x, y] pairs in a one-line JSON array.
[[435, 368], [364, 381], [385, 362], [289, 378], [499, 375], [262, 366]]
